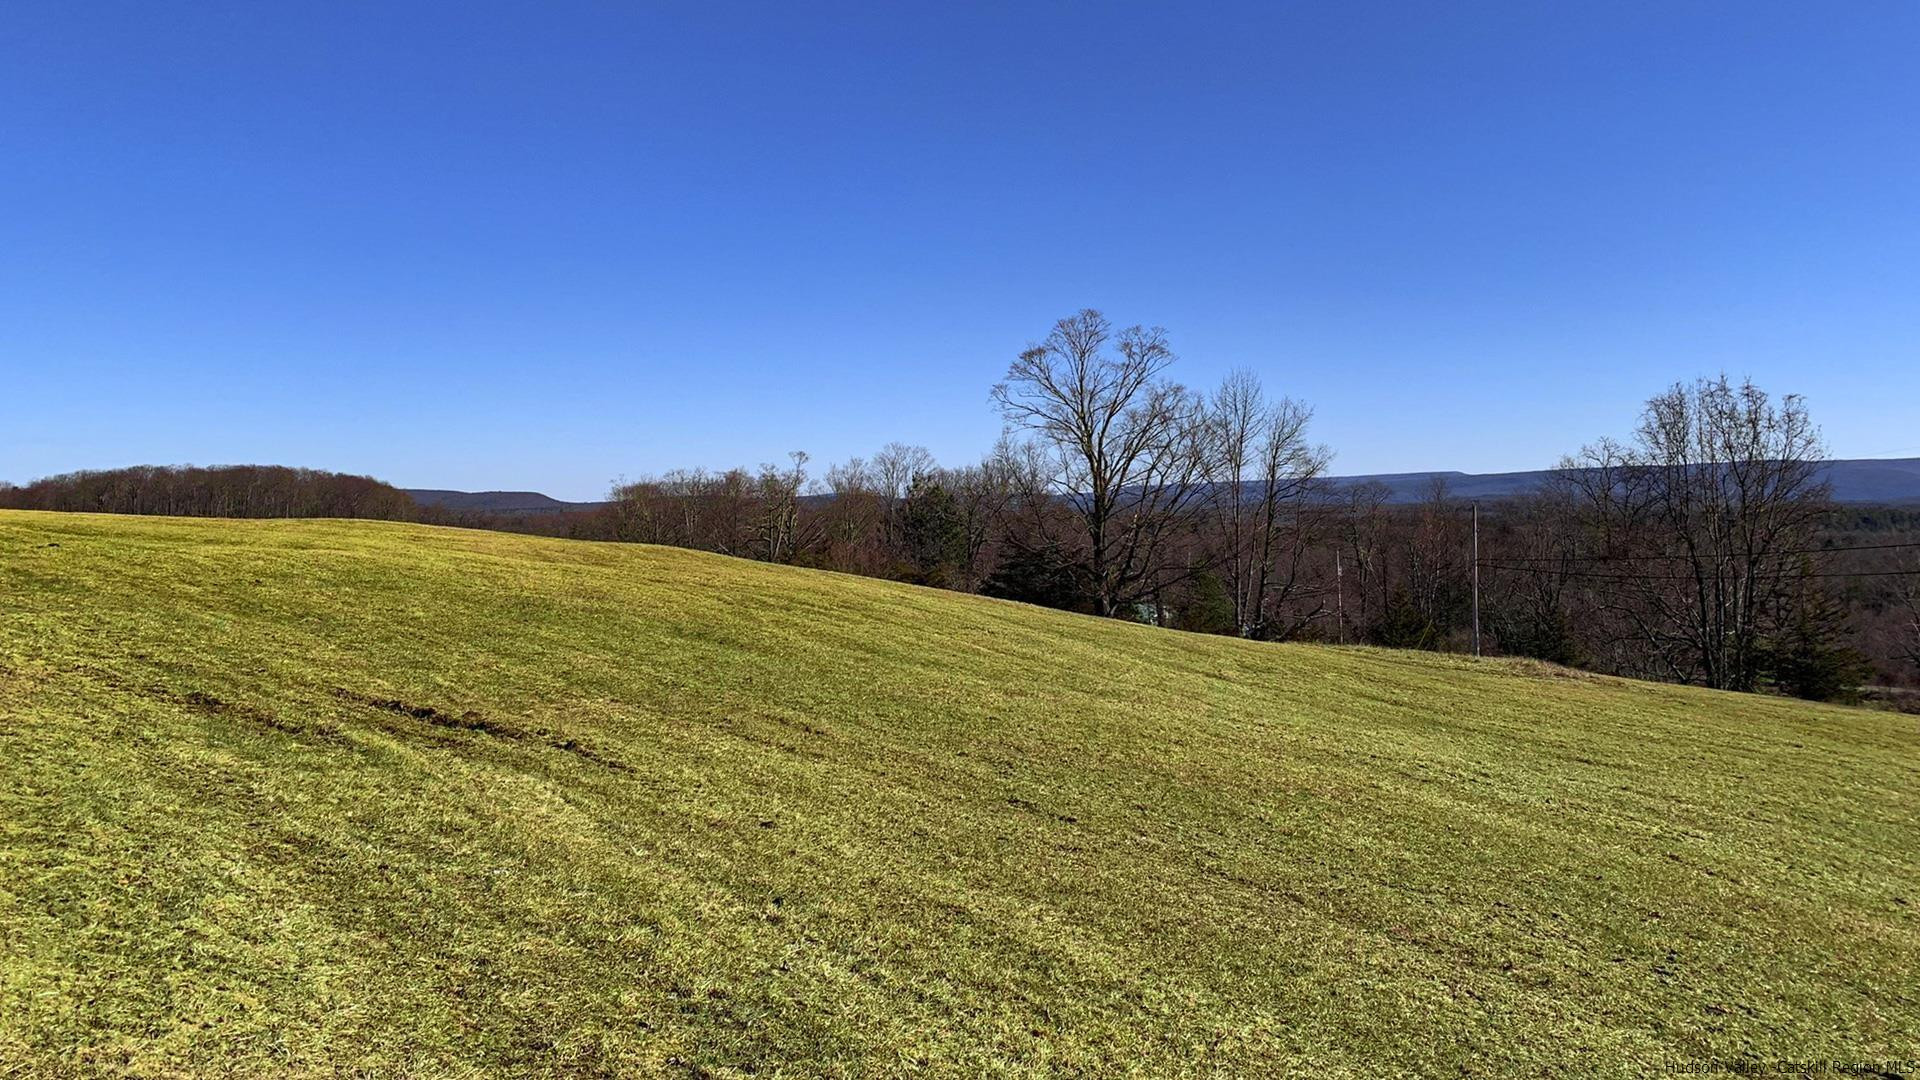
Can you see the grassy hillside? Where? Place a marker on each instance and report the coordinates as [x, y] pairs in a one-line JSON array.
[[317, 797]]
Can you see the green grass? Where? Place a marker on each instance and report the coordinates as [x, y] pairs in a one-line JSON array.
[[676, 814]]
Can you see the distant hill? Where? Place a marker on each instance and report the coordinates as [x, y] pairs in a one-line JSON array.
[[1859, 480], [496, 502], [1894, 481]]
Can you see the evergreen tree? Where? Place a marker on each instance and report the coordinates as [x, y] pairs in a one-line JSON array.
[[1810, 660], [934, 534], [1206, 608]]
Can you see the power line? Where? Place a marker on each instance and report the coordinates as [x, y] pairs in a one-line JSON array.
[[1668, 558], [1684, 577]]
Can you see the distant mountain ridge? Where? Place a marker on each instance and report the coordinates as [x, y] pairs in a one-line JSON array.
[[1894, 481], [1856, 480], [496, 502]]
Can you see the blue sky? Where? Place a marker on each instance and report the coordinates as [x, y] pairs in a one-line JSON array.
[[543, 245]]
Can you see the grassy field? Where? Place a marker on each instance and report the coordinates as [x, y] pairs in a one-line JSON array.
[[322, 798]]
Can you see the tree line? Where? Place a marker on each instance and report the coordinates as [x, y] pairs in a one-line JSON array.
[[269, 491], [1703, 549]]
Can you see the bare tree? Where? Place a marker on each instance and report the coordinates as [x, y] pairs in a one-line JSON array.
[[1530, 610], [852, 521], [1264, 472], [1362, 520], [1437, 572], [1703, 517], [983, 494], [896, 466], [780, 490], [1907, 644], [896, 469], [1126, 450]]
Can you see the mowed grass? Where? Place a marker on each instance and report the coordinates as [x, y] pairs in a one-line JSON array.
[[324, 798]]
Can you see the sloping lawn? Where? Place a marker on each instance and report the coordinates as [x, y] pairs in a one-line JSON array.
[[353, 798]]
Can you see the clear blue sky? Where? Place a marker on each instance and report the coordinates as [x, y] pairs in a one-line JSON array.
[[544, 244]]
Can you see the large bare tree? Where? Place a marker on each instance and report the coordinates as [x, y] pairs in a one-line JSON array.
[[1125, 449], [1704, 523], [1264, 472]]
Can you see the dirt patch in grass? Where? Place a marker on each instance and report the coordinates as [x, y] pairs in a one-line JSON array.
[[208, 704], [1019, 803], [476, 721]]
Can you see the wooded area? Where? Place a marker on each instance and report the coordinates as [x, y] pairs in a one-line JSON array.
[[223, 491], [1704, 551]]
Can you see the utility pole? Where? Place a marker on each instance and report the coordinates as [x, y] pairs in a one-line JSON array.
[[1476, 579]]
